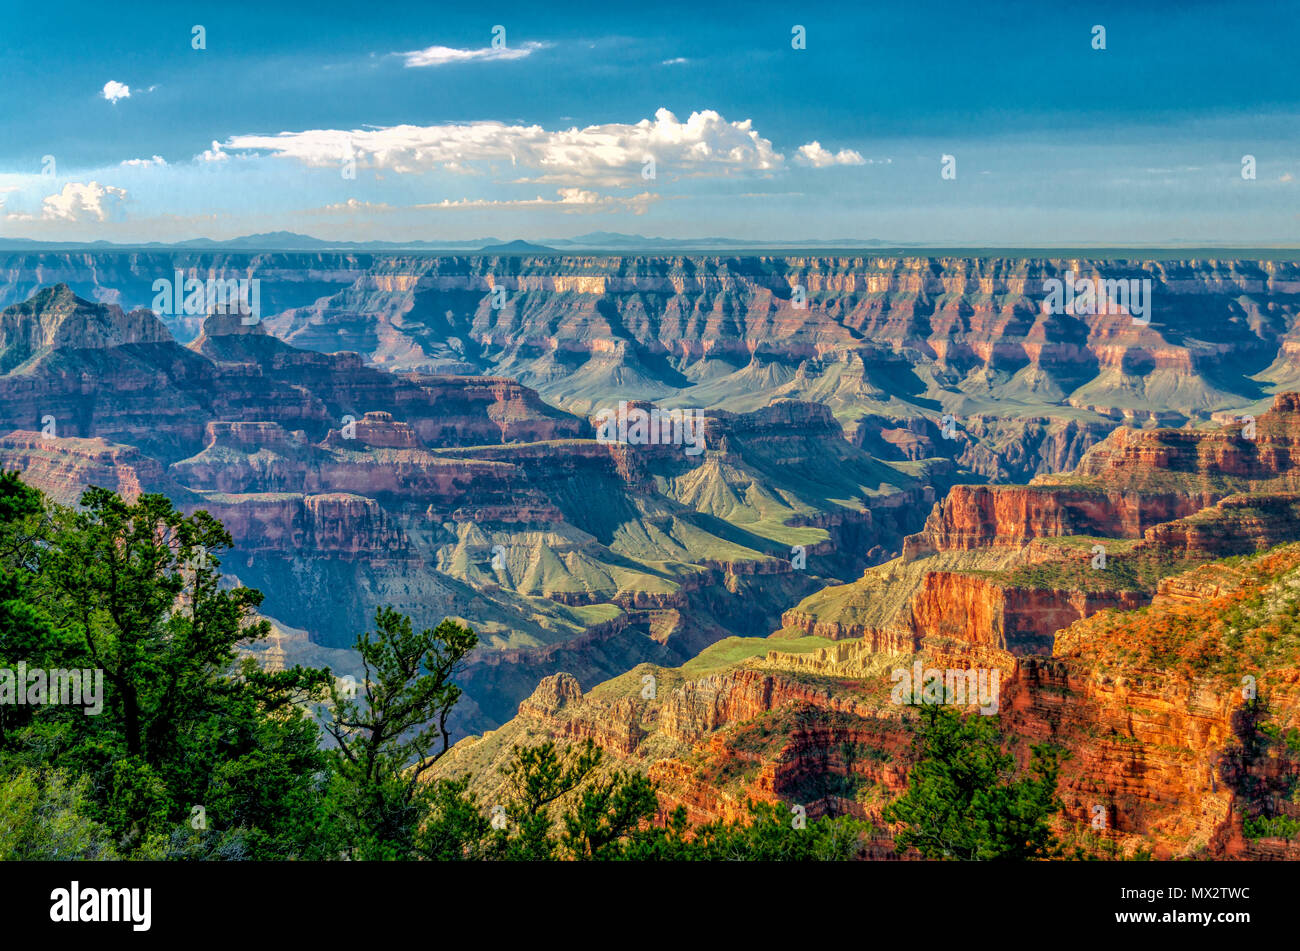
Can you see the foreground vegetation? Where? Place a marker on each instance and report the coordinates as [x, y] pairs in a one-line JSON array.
[[197, 754]]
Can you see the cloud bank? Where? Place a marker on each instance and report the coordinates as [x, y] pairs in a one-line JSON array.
[[706, 144]]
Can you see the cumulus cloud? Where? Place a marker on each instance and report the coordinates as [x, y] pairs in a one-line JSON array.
[[113, 91], [213, 154], [571, 201], [706, 144], [156, 162], [814, 155], [442, 55], [80, 202], [353, 206], [675, 61]]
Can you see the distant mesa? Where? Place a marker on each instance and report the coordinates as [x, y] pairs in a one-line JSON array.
[[518, 247]]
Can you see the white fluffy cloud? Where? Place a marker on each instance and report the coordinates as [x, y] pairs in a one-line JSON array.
[[156, 162], [213, 154], [705, 144], [113, 91], [80, 202], [814, 155], [442, 55], [571, 201], [353, 206]]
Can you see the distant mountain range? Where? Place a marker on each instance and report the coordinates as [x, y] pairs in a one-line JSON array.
[[595, 241], [615, 242]]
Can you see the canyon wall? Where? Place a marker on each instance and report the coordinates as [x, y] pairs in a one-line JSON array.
[[891, 344]]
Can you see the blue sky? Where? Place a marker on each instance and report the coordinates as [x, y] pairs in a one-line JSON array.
[[548, 135]]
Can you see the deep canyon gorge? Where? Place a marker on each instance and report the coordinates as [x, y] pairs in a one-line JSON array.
[[904, 458]]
